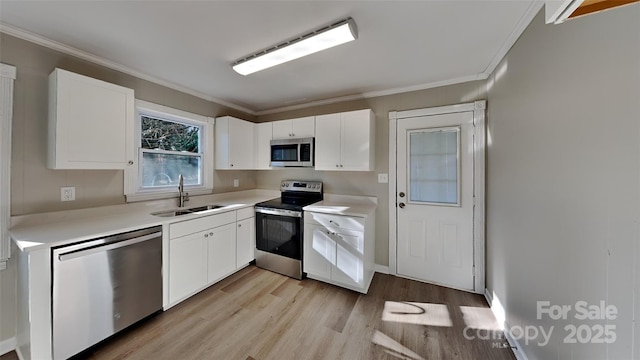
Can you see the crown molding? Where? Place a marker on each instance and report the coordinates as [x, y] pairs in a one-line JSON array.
[[521, 26], [57, 46], [373, 94]]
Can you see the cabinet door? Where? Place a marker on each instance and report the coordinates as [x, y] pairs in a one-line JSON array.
[[246, 241], [241, 153], [90, 123], [263, 134], [221, 250], [327, 142], [357, 141], [349, 264], [282, 129], [303, 127], [319, 251], [187, 266]]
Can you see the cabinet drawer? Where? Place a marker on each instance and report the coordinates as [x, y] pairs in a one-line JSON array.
[[208, 222], [335, 221], [246, 213]]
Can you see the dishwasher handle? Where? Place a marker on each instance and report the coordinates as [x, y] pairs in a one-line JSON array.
[[84, 252]]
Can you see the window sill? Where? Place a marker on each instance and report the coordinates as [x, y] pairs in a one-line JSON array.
[[146, 196]]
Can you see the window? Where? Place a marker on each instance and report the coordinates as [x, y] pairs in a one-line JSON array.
[[7, 76], [170, 143], [434, 170]]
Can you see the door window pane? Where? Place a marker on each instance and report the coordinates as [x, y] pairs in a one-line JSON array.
[[433, 165]]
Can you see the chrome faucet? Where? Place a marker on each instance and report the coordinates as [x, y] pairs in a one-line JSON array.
[[182, 196]]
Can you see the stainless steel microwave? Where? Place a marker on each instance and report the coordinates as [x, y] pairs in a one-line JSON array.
[[292, 152]]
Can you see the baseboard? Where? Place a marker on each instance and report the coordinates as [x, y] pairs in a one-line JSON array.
[[488, 297], [499, 312], [515, 346], [7, 345], [383, 269], [20, 356]]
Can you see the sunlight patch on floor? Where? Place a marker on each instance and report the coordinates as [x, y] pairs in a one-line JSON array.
[[417, 313], [479, 318], [394, 348]]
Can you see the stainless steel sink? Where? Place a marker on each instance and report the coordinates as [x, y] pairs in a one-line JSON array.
[[205, 208], [192, 210]]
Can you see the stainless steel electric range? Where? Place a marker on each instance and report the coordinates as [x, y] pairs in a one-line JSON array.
[[279, 227]]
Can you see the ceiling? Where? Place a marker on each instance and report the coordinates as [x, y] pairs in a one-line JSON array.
[[190, 45]]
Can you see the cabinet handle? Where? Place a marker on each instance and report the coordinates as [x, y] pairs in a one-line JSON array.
[[231, 165], [206, 235], [334, 223], [211, 233], [239, 225], [130, 162], [340, 165], [337, 165]]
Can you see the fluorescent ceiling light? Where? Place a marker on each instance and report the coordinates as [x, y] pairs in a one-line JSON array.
[[327, 37]]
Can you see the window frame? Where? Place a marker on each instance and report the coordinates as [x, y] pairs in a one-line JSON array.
[[133, 174], [7, 79]]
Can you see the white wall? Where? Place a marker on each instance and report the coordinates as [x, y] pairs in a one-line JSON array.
[[563, 181]]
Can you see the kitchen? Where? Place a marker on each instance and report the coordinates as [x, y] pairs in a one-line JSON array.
[[35, 189]]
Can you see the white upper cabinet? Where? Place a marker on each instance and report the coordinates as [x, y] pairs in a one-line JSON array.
[[327, 149], [294, 128], [91, 123], [263, 134], [346, 141], [234, 144]]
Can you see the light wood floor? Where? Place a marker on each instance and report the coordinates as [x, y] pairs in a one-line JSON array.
[[259, 315]]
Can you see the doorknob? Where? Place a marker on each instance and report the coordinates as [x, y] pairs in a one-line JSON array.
[[401, 205], [401, 194]]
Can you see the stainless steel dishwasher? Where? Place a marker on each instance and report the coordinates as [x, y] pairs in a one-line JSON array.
[[102, 286]]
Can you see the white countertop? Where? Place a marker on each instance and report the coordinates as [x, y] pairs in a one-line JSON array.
[[37, 231], [360, 206]]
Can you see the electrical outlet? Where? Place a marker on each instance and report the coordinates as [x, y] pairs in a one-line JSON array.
[[236, 182], [67, 193], [383, 178]]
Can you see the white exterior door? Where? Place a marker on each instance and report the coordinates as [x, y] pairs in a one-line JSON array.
[[435, 197]]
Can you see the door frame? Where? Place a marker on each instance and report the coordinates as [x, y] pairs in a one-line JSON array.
[[479, 151]]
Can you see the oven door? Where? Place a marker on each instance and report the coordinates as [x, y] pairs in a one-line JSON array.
[[279, 232]]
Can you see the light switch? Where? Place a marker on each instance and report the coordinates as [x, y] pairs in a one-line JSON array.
[[236, 182], [383, 178]]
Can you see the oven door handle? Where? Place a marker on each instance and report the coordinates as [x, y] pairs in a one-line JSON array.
[[279, 212]]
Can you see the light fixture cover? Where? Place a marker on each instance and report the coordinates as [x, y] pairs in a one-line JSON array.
[[327, 37]]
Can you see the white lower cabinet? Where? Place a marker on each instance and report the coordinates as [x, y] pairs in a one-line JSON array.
[[221, 250], [205, 250], [246, 241], [187, 265], [339, 250]]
